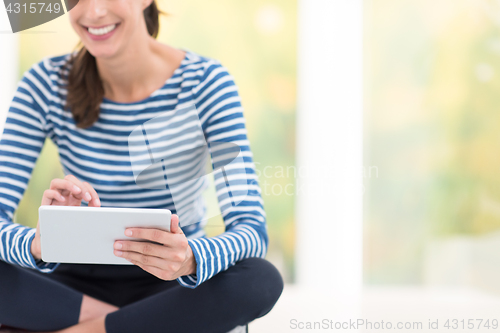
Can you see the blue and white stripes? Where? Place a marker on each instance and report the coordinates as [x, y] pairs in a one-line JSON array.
[[100, 156]]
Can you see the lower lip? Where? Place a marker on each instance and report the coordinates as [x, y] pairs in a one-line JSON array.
[[102, 37]]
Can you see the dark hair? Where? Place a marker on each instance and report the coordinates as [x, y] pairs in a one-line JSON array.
[[85, 89]]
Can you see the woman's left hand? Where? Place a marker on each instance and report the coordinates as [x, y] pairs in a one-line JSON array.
[[168, 261]]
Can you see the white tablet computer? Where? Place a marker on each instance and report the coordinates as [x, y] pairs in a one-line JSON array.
[[85, 235]]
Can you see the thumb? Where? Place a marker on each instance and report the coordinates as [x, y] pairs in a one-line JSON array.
[[174, 225]]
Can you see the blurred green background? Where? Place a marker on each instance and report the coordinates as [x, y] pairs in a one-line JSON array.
[[432, 129], [256, 41]]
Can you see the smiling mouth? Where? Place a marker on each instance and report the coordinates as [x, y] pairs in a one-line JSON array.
[[103, 30]]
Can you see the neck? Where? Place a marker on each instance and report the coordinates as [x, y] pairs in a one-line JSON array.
[[133, 74]]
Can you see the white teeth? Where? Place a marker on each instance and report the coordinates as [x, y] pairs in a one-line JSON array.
[[102, 31]]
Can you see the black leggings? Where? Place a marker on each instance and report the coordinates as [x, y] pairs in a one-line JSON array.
[[46, 302]]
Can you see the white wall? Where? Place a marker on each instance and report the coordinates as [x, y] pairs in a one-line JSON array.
[[9, 64], [329, 146]]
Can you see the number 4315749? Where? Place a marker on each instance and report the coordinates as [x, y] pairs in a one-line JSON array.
[[33, 8], [471, 324]]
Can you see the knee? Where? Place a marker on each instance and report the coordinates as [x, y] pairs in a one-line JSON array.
[[259, 286], [10, 273]]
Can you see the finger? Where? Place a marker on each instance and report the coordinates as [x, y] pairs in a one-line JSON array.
[[154, 235], [50, 195], [64, 185], [84, 194], [174, 225], [94, 201], [145, 248], [159, 273], [142, 259]]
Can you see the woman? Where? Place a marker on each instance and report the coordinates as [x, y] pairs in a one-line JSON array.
[[88, 103]]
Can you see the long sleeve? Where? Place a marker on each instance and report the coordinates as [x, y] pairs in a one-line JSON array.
[[21, 142], [219, 106]]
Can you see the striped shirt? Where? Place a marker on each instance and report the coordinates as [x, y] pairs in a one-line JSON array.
[[100, 155]]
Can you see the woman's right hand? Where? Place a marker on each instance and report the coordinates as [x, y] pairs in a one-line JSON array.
[[64, 192], [69, 192]]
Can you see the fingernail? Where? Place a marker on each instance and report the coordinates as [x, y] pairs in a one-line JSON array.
[[76, 189], [97, 201], [118, 246], [63, 198], [87, 196], [119, 253], [128, 232]]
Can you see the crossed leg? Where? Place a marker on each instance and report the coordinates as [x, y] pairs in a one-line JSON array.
[[243, 292]]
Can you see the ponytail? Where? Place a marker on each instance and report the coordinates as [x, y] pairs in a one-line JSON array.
[[85, 89]]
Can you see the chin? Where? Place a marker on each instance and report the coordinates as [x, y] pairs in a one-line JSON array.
[[101, 52]]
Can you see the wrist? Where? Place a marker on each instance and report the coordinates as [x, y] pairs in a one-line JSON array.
[[190, 262], [36, 254], [35, 246]]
